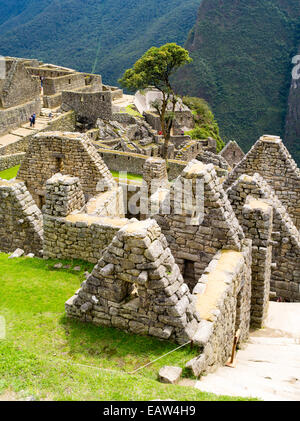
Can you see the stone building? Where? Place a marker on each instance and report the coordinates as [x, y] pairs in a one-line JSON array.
[[197, 263], [19, 94], [66, 153]]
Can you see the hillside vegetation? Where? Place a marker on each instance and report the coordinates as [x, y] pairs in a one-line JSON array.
[[242, 53], [205, 123], [104, 36]]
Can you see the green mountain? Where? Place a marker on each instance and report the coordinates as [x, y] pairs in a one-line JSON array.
[[104, 36], [242, 53]]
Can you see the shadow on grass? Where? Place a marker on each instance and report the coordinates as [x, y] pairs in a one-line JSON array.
[[26, 263], [128, 351]]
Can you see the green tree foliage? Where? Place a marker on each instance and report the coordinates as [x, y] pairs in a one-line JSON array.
[[155, 69], [205, 123]]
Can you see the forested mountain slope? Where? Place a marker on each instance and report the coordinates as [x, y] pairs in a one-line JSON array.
[[105, 36], [242, 51]]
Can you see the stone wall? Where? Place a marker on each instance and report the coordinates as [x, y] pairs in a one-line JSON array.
[[55, 85], [20, 219], [68, 153], [74, 229], [222, 299], [19, 87], [194, 244], [212, 158], [88, 106], [64, 195], [64, 123], [14, 117], [189, 150], [9, 161], [80, 236], [258, 226], [134, 163], [285, 277], [136, 286], [232, 153], [52, 101], [270, 158]]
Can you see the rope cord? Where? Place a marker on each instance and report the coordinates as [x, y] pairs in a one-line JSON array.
[[117, 371], [152, 362]]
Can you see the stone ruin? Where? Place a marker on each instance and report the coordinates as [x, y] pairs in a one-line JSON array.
[[181, 269], [194, 273]]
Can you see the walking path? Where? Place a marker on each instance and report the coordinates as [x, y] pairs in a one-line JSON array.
[[269, 367], [25, 130]]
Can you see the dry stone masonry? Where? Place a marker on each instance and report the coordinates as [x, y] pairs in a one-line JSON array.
[[20, 219], [285, 277], [270, 158], [222, 299], [138, 263], [66, 153], [216, 234]]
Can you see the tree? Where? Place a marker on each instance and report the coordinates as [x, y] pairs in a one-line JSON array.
[[154, 69]]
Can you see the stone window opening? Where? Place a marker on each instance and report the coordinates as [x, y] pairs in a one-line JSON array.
[[132, 292], [69, 81], [59, 164]]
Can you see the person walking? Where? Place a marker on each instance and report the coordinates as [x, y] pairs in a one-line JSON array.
[[33, 118]]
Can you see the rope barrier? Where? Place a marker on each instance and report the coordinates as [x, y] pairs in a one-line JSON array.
[[152, 362], [117, 371]]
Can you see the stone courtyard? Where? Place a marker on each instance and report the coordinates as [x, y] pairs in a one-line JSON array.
[[210, 238]]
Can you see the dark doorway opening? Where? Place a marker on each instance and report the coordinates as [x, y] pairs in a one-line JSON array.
[[189, 274], [41, 201]]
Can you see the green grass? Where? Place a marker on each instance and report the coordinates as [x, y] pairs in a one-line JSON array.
[[130, 109], [10, 173], [130, 176], [51, 357]]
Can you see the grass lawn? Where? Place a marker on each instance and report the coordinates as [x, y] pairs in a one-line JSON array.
[[130, 109], [130, 176], [51, 357], [10, 173]]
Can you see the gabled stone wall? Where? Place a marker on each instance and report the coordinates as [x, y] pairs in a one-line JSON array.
[[20, 219], [232, 153], [136, 286], [198, 243], [270, 158], [285, 277], [19, 86], [68, 153]]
